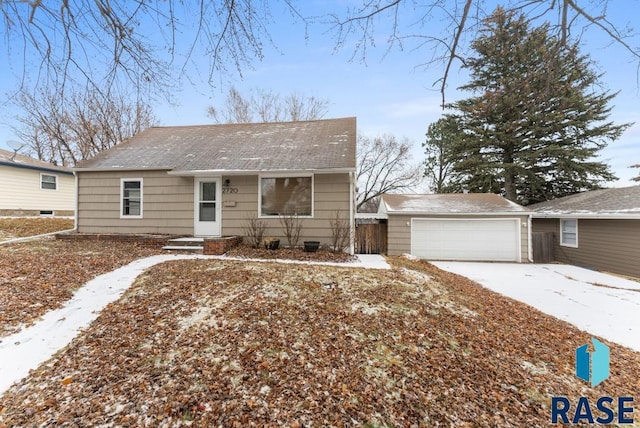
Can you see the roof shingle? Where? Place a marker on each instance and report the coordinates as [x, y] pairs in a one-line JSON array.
[[21, 161], [308, 145], [620, 202]]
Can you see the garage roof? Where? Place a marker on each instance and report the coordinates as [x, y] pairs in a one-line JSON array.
[[450, 204]]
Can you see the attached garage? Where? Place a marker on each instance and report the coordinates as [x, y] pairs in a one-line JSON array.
[[464, 227]]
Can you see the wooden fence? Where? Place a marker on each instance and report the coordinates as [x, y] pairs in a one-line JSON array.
[[543, 247], [371, 238]]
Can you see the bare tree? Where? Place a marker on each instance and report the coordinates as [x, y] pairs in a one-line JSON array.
[[411, 21], [267, 106], [103, 41], [384, 166], [65, 129]]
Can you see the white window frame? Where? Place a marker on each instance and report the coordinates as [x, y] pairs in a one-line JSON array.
[[42, 174], [286, 175], [562, 223], [125, 180]]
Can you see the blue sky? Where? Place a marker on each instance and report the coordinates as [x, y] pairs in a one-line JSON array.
[[388, 94]]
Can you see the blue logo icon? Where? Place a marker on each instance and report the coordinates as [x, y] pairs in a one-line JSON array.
[[593, 366]]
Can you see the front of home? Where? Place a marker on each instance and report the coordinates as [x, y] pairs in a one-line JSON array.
[[211, 180], [31, 187], [462, 227], [599, 229]]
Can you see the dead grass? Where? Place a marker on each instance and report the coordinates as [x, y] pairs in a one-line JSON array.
[[22, 227], [38, 276], [211, 343]]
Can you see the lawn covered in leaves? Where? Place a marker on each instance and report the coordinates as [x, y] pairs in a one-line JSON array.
[[31, 226], [41, 275], [222, 343]]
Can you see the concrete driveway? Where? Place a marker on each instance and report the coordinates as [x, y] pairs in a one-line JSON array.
[[603, 305]]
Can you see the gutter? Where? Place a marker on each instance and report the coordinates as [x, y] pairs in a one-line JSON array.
[[75, 220], [589, 216], [37, 168], [529, 233], [352, 231]]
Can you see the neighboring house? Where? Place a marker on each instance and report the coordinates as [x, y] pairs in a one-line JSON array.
[[32, 187], [472, 227], [599, 229], [209, 180]]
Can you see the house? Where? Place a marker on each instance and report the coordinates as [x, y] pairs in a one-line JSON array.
[[209, 180], [599, 229], [32, 187], [472, 227]]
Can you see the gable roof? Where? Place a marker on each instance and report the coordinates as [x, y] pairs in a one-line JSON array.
[[8, 158], [450, 204], [309, 145], [623, 202]]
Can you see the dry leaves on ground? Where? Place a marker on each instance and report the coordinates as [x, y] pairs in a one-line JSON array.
[[322, 255], [38, 276], [222, 343], [31, 226]]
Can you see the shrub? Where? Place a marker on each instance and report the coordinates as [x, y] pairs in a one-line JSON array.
[[254, 230], [340, 232], [292, 226]]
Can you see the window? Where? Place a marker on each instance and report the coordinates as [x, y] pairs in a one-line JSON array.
[[49, 182], [131, 198], [286, 195], [569, 232]]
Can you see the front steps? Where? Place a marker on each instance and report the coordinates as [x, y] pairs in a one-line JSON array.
[[189, 244]]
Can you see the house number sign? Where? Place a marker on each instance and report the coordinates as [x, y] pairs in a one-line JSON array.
[[229, 190]]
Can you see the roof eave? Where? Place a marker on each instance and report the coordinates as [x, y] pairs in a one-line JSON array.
[[118, 169], [212, 172], [37, 168], [449, 213], [589, 216]]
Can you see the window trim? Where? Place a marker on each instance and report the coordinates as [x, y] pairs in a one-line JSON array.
[[287, 175], [562, 243], [42, 174], [130, 216]]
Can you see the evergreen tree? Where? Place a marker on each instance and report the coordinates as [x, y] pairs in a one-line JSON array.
[[638, 177], [537, 122], [439, 149]]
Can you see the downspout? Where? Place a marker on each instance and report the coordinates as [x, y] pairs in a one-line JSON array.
[[75, 222], [529, 232], [352, 231]]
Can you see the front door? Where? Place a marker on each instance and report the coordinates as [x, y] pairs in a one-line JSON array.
[[207, 207]]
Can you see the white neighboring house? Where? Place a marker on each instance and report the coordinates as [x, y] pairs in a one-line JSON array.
[[32, 187]]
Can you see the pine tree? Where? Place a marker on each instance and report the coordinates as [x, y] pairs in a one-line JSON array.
[[638, 177], [537, 122], [442, 138]]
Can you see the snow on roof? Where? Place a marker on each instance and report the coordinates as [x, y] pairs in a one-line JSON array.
[[620, 203], [302, 145], [454, 203]]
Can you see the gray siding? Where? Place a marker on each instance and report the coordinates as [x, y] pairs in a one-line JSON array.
[[168, 205], [399, 233], [331, 194], [607, 245]]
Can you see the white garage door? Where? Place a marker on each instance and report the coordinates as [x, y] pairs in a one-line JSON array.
[[466, 239]]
